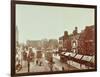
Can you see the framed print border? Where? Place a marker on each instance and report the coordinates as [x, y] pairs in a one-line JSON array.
[[13, 34]]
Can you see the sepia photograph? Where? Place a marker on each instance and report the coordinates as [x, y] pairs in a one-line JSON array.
[[53, 38]]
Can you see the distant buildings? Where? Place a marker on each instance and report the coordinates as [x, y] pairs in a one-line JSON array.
[[83, 43], [53, 44], [17, 36], [34, 43], [43, 44]]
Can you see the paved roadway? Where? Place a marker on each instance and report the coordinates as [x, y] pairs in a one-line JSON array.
[[57, 66]]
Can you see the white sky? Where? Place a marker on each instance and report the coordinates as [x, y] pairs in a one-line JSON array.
[[36, 22]]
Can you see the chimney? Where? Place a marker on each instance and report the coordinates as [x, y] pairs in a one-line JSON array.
[[66, 33], [75, 31]]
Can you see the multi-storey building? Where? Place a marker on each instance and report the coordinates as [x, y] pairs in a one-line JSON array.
[[83, 42], [87, 41]]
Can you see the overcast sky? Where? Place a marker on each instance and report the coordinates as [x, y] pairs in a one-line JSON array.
[[36, 22]]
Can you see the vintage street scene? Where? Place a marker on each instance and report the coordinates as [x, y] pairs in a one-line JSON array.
[[50, 39]]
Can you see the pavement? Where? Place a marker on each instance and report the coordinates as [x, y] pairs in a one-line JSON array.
[[57, 66], [61, 65]]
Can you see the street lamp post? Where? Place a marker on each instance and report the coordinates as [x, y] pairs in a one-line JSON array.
[[29, 59], [28, 66]]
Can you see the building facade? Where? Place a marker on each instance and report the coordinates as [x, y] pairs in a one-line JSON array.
[[83, 42], [87, 41]]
